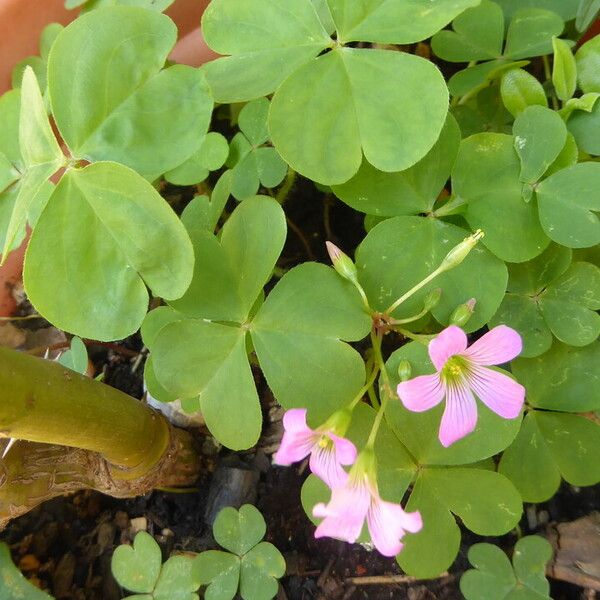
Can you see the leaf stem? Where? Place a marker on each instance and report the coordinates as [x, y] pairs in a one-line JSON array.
[[286, 187], [365, 388], [376, 339]]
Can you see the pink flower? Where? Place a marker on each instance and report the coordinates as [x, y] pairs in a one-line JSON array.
[[462, 372], [328, 452], [345, 515]]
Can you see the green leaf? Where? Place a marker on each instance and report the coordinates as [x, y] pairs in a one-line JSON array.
[[105, 223], [34, 63], [563, 379], [355, 101], [540, 135], [49, 34], [486, 502], [412, 191], [76, 358], [519, 90], [177, 580], [400, 252], [564, 71], [567, 9], [585, 126], [122, 107], [419, 431], [550, 446], [261, 567], [588, 64], [568, 156], [220, 571], [209, 360], [586, 14], [137, 568], [530, 33], [230, 273], [262, 42], [478, 34], [568, 202], [393, 22], [239, 531], [157, 5], [252, 121], [487, 175], [494, 578], [298, 333], [12, 583]]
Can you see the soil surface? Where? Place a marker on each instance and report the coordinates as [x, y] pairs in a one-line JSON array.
[[65, 546]]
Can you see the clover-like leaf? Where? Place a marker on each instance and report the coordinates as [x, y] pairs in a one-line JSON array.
[[494, 578], [487, 176], [122, 106], [239, 530], [12, 582], [540, 135], [551, 446], [298, 333], [483, 113], [105, 223], [486, 502], [530, 33], [419, 431], [585, 125], [567, 9], [262, 566], [177, 580], [393, 21], [520, 89], [401, 251], [408, 192], [354, 101], [262, 42], [76, 357], [563, 379], [220, 571], [588, 59], [137, 568], [568, 203]]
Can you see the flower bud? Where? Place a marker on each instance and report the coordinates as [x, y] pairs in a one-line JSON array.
[[338, 422], [460, 252], [404, 370], [432, 299], [462, 313], [342, 263]]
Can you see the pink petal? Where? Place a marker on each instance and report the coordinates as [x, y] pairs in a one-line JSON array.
[[345, 450], [295, 420], [298, 439], [498, 346], [460, 415], [421, 393], [498, 392], [325, 465], [345, 513], [451, 341], [387, 524]]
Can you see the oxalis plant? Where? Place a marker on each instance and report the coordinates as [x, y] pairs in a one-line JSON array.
[[448, 371]]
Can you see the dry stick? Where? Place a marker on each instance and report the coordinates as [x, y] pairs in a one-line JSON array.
[[387, 579]]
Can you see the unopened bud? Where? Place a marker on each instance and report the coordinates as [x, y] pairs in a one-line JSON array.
[[342, 263], [404, 370], [432, 299], [462, 313], [338, 422], [460, 252]]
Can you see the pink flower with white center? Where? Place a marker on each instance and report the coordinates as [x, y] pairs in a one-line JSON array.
[[462, 372], [358, 500], [328, 451]]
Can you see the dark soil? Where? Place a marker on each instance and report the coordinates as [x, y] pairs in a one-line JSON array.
[[65, 546]]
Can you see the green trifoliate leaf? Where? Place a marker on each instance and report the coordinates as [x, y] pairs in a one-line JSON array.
[[211, 156], [479, 76], [393, 21], [177, 580], [483, 113], [105, 223], [122, 106], [487, 176], [137, 568], [520, 89], [298, 335], [564, 71], [239, 531], [563, 379], [355, 101], [568, 202], [252, 121], [588, 63], [12, 582], [530, 33], [585, 125], [408, 192], [587, 12], [220, 571], [419, 431], [261, 568], [76, 357], [486, 502], [494, 578], [567, 9], [540, 135], [262, 42], [400, 252], [551, 446], [324, 13]]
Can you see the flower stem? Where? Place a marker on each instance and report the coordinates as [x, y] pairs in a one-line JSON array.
[[414, 290], [365, 388]]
